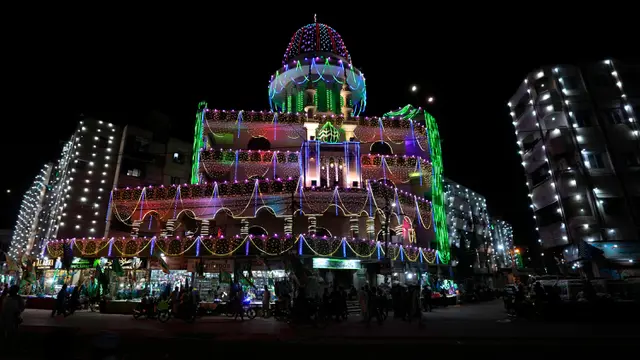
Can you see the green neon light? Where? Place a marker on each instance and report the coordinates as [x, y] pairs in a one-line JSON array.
[[198, 143], [328, 133], [437, 184]]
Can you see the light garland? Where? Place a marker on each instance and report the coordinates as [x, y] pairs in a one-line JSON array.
[[220, 246], [242, 199]]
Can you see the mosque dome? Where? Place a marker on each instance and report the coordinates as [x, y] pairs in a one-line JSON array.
[[316, 38]]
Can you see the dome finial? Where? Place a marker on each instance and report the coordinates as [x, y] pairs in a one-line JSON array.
[[315, 18]]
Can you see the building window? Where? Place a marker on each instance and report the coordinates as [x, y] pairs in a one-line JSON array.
[[583, 118], [134, 172], [571, 83], [178, 157], [103, 142], [594, 161], [613, 116], [175, 180], [141, 145]]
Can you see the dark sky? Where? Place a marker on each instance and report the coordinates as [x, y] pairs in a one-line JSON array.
[[471, 62]]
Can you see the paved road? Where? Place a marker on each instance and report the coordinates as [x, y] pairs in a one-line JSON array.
[[483, 324]]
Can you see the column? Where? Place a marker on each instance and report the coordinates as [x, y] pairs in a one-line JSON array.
[[135, 228], [169, 228], [371, 228], [204, 227], [244, 227], [312, 225], [288, 224], [354, 226]]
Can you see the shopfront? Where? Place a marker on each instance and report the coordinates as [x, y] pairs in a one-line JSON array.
[[271, 274], [339, 272], [214, 282]]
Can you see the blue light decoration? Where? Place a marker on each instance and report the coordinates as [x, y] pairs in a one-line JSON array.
[[239, 122], [421, 255], [198, 246], [401, 253], [152, 246], [344, 247], [378, 249], [235, 173], [300, 241], [110, 247], [142, 196], [175, 202], [246, 248], [275, 126]]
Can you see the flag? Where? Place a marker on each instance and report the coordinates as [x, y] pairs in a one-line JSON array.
[[163, 264], [116, 267]]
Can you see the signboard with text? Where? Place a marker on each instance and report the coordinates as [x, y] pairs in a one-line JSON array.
[[337, 264]]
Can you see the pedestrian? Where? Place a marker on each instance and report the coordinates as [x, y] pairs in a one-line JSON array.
[[59, 307], [11, 316], [266, 301]]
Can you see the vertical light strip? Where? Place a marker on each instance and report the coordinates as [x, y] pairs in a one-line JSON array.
[[198, 142]]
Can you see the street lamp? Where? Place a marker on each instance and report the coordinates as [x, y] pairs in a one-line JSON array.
[[414, 88], [430, 99]]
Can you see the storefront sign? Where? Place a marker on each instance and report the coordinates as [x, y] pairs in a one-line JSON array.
[[211, 266], [82, 263], [44, 264], [338, 264]]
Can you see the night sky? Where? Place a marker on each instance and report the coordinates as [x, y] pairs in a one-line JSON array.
[[132, 67]]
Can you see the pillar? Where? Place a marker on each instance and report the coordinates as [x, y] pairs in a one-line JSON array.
[[244, 227], [135, 228], [169, 228], [354, 226], [204, 227], [312, 225], [288, 224], [371, 228]]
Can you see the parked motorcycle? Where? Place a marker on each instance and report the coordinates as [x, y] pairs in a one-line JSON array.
[[146, 308]]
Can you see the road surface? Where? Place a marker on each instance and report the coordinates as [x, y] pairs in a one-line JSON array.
[[483, 324]]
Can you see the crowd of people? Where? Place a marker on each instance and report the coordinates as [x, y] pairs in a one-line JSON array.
[[11, 307]]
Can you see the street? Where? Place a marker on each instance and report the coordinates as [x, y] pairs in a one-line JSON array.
[[482, 324]]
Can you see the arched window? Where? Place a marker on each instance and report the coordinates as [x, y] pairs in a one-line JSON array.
[[259, 143], [381, 148]]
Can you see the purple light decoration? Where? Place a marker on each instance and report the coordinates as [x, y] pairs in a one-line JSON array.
[[381, 128], [198, 246], [110, 247], [150, 221], [335, 199], [175, 203], [401, 253], [318, 159], [378, 249], [303, 150], [358, 164], [300, 240], [239, 122], [142, 197], [153, 245], [370, 196], [275, 126], [246, 246], [420, 169], [106, 220], [235, 173], [384, 168], [255, 198], [344, 247], [417, 210], [300, 193], [274, 160]]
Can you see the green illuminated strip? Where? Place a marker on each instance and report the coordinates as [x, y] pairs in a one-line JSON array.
[[198, 143], [437, 184], [437, 189], [289, 104]]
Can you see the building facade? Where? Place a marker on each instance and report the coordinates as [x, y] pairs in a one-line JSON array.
[[472, 230], [577, 129], [70, 198]]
